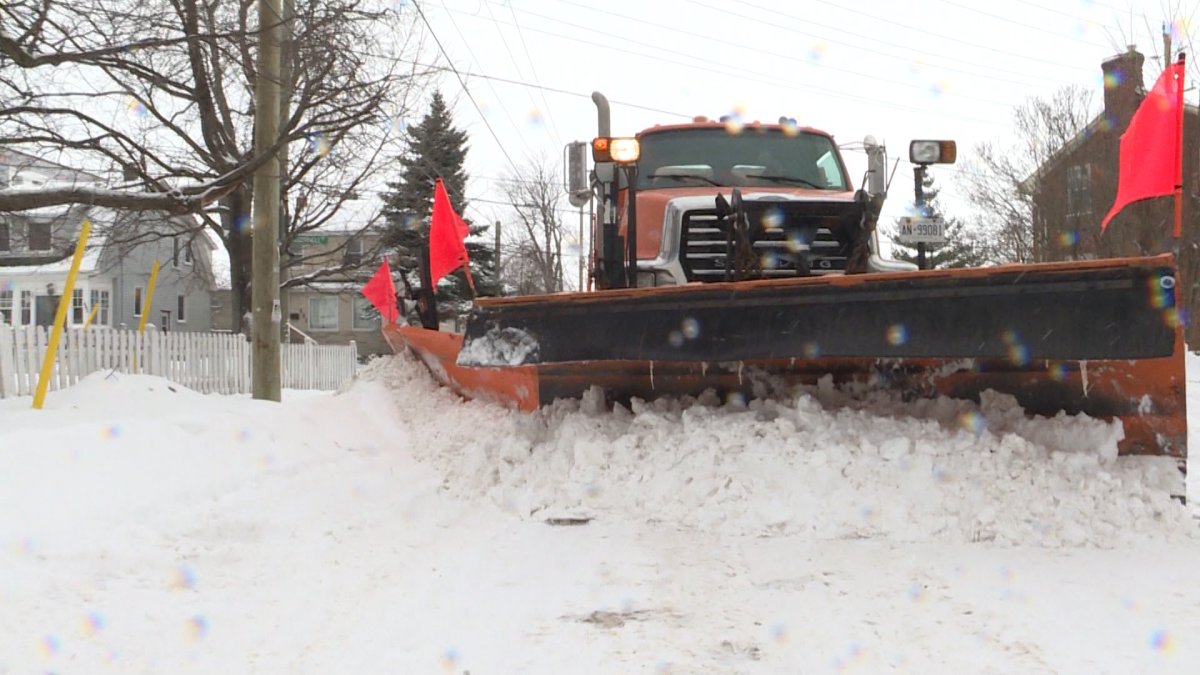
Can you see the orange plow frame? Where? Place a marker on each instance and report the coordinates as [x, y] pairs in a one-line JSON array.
[[1146, 392]]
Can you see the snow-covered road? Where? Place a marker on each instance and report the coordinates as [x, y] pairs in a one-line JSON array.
[[393, 529]]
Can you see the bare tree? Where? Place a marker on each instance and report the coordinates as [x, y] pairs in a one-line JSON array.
[[185, 72], [997, 180], [534, 261], [41, 41]]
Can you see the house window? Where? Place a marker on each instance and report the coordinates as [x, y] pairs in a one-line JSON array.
[[323, 312], [5, 244], [1079, 190], [77, 306], [39, 236], [6, 307], [354, 250], [100, 299], [365, 316], [180, 314], [137, 301], [26, 308], [182, 253]]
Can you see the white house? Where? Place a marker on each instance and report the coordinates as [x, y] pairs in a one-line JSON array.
[[36, 248]]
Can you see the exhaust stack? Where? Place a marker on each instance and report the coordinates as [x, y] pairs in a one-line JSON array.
[[606, 176]]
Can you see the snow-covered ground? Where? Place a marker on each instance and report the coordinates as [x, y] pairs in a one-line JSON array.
[[392, 528]]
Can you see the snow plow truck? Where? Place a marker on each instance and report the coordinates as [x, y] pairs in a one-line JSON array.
[[723, 254]]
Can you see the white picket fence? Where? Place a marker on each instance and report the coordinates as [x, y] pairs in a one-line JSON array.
[[205, 362]]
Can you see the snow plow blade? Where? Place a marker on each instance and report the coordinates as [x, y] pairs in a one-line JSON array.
[[1101, 338]]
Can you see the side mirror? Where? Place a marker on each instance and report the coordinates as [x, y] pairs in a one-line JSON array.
[[579, 192]]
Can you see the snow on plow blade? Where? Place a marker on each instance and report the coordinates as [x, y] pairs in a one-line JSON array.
[[1097, 337]]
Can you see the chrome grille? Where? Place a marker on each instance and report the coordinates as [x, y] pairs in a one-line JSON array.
[[779, 248]]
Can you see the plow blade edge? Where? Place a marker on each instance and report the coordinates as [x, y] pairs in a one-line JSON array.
[[1097, 337]]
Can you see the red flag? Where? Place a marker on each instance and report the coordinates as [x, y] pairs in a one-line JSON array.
[[447, 232], [381, 291], [1152, 146]]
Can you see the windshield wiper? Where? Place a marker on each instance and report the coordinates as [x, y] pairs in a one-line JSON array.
[[681, 176], [787, 179]]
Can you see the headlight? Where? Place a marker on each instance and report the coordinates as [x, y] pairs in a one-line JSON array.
[[932, 152], [625, 150], [619, 150]]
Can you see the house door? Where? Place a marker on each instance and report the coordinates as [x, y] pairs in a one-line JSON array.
[[165, 325], [46, 306]]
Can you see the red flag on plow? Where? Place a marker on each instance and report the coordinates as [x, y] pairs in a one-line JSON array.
[[381, 291], [1152, 147], [447, 234]]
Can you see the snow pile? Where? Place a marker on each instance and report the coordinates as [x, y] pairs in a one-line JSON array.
[[117, 449], [815, 465], [500, 347]]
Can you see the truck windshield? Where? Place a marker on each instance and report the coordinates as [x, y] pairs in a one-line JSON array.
[[754, 157]]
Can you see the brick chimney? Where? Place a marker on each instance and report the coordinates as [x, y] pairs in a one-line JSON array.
[[1123, 87]]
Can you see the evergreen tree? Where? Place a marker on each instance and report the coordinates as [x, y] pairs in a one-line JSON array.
[[960, 249], [436, 149]]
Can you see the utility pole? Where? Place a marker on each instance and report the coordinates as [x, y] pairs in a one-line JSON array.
[[581, 248], [287, 57], [919, 201], [266, 316], [497, 252], [559, 280]]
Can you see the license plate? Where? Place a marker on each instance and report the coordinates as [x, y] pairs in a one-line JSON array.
[[912, 230]]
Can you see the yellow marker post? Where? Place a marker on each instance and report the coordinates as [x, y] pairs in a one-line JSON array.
[[149, 297], [60, 317], [146, 306], [91, 315]]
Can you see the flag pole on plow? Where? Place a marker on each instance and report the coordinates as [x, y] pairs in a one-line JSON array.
[[1151, 163], [1179, 149]]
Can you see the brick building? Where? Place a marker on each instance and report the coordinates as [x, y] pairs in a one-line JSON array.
[[1074, 189]]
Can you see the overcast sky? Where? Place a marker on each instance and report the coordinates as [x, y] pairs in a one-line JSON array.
[[897, 70]]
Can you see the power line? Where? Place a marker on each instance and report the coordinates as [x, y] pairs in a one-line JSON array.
[[532, 70], [858, 11], [475, 59], [512, 59], [553, 90], [1020, 23], [500, 202], [1115, 9], [544, 88], [541, 88], [858, 47], [594, 31], [1042, 6], [763, 78], [446, 56]]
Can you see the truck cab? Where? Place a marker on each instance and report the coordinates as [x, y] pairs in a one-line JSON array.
[[711, 201]]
